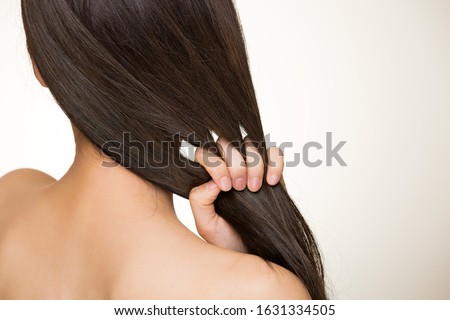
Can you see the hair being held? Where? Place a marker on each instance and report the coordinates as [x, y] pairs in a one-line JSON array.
[[158, 69]]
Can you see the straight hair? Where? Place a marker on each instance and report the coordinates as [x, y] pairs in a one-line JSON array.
[[159, 69]]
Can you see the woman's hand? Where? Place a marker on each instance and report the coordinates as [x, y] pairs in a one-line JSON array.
[[230, 171]]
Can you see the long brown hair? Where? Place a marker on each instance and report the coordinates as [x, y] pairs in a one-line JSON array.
[[161, 68]]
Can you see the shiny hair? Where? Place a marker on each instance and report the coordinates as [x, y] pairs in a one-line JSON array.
[[163, 68]]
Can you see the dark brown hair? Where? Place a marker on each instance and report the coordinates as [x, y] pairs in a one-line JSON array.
[[155, 69]]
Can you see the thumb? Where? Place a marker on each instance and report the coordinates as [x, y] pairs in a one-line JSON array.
[[202, 204]]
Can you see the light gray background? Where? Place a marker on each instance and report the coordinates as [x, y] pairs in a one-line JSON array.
[[375, 73]]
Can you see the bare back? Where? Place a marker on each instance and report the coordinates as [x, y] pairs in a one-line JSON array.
[[97, 249]]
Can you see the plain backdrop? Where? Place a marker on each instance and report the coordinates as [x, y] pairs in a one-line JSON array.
[[374, 73]]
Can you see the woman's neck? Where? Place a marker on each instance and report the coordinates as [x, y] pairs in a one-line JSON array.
[[90, 186]]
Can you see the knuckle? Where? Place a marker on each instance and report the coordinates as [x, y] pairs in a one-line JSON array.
[[199, 154], [195, 195], [278, 152], [216, 163], [219, 169], [237, 158], [254, 161], [192, 197], [238, 170], [196, 199]]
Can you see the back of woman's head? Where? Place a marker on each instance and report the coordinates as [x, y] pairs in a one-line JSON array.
[[161, 69]]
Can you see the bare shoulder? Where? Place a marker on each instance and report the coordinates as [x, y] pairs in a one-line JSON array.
[[271, 281], [24, 178], [257, 279], [26, 175], [20, 181]]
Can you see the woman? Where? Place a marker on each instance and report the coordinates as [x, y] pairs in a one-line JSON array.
[[140, 80]]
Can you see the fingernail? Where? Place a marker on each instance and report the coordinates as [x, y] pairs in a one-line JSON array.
[[211, 186], [255, 184], [225, 184], [273, 180], [240, 184]]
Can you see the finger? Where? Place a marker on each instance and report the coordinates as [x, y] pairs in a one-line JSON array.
[[275, 165], [212, 227], [216, 168], [235, 163], [202, 200], [255, 167]]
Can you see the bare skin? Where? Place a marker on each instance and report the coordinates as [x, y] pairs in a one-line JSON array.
[[104, 233]]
